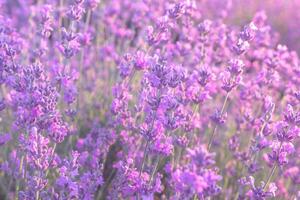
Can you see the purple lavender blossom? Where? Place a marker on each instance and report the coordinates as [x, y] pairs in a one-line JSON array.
[[149, 99]]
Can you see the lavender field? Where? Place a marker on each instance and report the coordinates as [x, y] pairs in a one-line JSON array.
[[149, 99]]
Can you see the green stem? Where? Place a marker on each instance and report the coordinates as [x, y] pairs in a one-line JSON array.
[[272, 170], [87, 21], [195, 197], [18, 181], [236, 196], [211, 138], [144, 158], [154, 170], [37, 197], [224, 103], [81, 59], [270, 176], [216, 126], [51, 158]]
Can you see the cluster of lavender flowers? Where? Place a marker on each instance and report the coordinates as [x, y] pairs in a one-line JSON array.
[[146, 99]]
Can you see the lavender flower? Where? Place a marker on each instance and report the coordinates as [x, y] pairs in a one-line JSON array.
[[149, 99]]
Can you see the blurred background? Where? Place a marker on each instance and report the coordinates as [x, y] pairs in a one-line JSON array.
[[283, 15]]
